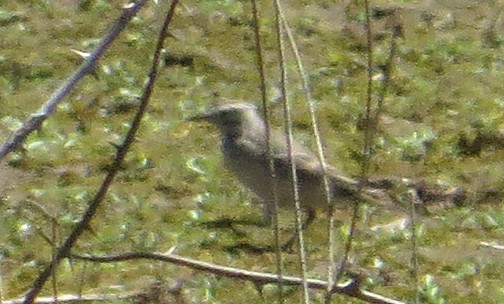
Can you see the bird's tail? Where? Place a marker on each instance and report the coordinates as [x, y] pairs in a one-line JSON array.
[[344, 186]]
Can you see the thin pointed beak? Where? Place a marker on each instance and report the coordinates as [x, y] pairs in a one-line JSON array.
[[206, 116], [198, 117]]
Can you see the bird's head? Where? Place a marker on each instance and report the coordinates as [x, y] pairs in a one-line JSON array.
[[231, 119]]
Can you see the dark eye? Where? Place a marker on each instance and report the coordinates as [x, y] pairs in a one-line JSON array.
[[225, 116]]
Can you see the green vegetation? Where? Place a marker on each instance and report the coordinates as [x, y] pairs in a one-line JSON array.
[[442, 122]]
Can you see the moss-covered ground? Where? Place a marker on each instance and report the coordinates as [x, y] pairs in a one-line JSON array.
[[442, 122]]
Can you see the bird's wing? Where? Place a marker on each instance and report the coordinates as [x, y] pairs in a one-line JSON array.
[[308, 164], [255, 147]]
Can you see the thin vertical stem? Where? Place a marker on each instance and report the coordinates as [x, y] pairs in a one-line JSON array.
[[414, 258], [260, 69], [368, 134], [288, 131], [318, 139]]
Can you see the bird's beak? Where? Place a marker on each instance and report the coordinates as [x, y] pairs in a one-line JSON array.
[[206, 116], [199, 117]]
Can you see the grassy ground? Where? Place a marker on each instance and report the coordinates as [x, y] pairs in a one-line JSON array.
[[442, 122]]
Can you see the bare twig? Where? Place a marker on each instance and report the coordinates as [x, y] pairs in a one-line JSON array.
[[414, 200], [350, 289], [492, 245], [311, 105], [288, 132], [36, 120], [368, 140], [39, 209], [55, 244], [153, 294], [28, 205], [373, 120], [70, 298], [260, 69], [64, 250], [368, 132]]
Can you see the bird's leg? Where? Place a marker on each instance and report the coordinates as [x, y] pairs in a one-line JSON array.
[[310, 217], [268, 212]]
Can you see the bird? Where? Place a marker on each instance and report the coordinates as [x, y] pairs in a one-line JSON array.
[[244, 145]]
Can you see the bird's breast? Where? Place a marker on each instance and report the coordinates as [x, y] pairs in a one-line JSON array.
[[250, 168]]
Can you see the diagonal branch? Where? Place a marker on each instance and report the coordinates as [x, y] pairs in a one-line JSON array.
[[36, 120], [64, 250], [351, 288]]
